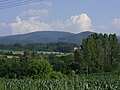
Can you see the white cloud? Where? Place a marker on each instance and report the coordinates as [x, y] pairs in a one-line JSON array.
[[80, 23], [30, 25], [74, 24], [116, 22]]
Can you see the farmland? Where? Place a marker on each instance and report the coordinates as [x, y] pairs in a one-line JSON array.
[[96, 82]]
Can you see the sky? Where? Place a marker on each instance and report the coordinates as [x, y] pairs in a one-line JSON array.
[[75, 16]]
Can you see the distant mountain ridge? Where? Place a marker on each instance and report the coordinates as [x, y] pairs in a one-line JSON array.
[[75, 38], [34, 37], [46, 37]]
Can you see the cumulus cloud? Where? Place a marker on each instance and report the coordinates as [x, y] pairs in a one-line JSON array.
[[74, 24], [30, 25], [80, 23]]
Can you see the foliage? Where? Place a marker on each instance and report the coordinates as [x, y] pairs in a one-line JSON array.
[[99, 53], [40, 69], [59, 47]]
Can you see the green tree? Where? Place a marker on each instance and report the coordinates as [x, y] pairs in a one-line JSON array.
[[101, 53], [40, 69], [88, 49], [59, 66], [114, 50], [106, 49]]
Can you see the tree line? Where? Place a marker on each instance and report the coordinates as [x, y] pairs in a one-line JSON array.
[[51, 47], [99, 53]]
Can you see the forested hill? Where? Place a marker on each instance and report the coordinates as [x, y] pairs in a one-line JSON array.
[[34, 37], [45, 37], [76, 38]]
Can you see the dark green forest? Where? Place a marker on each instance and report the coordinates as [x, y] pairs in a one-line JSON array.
[[99, 53], [51, 47]]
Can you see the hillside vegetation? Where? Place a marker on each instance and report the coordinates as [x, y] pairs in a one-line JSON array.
[[45, 37]]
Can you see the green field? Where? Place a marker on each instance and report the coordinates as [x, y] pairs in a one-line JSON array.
[[91, 82]]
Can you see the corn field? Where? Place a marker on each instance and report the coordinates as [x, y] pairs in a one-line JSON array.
[[73, 83]]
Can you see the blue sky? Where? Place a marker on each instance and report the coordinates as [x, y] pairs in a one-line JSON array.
[[62, 15]]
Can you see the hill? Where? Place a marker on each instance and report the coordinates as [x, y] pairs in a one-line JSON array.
[[45, 37], [34, 37], [75, 38]]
